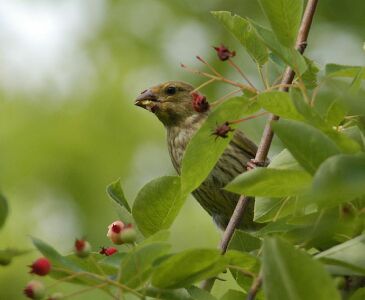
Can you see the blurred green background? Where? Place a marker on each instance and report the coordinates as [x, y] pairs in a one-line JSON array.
[[69, 72]]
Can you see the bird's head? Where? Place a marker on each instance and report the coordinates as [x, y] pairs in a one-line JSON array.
[[172, 102]]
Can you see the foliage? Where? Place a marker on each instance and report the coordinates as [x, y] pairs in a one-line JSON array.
[[311, 196]]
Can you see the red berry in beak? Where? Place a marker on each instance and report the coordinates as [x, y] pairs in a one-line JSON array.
[[200, 103]]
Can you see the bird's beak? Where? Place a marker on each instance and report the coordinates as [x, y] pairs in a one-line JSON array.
[[147, 99]]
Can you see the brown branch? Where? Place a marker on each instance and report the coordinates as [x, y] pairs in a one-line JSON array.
[[254, 288], [263, 149]]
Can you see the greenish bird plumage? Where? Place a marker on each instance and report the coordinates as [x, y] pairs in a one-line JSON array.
[[172, 103]]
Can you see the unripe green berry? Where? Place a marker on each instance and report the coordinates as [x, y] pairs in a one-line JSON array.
[[128, 235]]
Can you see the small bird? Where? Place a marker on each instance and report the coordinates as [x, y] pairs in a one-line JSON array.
[[173, 104]]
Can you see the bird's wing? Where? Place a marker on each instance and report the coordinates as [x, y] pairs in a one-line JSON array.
[[244, 144]]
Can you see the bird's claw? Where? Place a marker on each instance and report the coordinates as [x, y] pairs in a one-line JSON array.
[[253, 164]]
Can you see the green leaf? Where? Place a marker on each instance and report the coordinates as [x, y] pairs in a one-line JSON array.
[[157, 204], [273, 209], [358, 294], [289, 55], [289, 273], [346, 144], [243, 31], [116, 193], [6, 255], [53, 255], [155, 293], [308, 145], [204, 150], [4, 210], [309, 77], [279, 226], [279, 103], [350, 252], [160, 236], [240, 265], [244, 241], [268, 182], [339, 179], [243, 260], [113, 260], [335, 70], [284, 160], [137, 265], [199, 294], [96, 262], [284, 17], [305, 109], [233, 295], [187, 267]]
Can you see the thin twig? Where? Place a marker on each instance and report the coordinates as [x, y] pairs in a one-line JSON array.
[[248, 118], [203, 85], [238, 69], [101, 278], [209, 66], [219, 78], [99, 286], [224, 97], [268, 134], [254, 288]]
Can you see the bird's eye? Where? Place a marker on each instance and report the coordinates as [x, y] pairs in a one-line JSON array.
[[171, 90]]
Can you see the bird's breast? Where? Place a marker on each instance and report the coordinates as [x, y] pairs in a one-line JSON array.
[[177, 140]]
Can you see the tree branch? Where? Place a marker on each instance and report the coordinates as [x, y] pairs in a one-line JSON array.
[[267, 136]]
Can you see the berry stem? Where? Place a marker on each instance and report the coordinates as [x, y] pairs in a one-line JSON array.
[[224, 97], [203, 85], [240, 71], [248, 118], [90, 288], [220, 78], [209, 66], [101, 278]]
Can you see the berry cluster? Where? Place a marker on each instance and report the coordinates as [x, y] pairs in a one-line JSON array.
[[118, 232]]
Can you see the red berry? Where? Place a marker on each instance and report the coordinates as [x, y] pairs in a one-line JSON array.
[[82, 248], [223, 52], [114, 231], [34, 290], [200, 103], [116, 228], [41, 267], [222, 130], [107, 251]]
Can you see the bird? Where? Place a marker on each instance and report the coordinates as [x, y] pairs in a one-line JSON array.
[[173, 104]]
